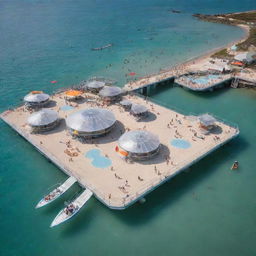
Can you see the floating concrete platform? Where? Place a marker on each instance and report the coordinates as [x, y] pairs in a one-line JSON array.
[[119, 184]]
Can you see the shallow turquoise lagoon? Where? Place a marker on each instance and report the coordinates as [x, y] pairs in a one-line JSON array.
[[97, 159]]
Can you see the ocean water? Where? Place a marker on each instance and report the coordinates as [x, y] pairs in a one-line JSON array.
[[208, 211]]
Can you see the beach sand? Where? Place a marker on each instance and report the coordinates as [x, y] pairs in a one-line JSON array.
[[103, 181]]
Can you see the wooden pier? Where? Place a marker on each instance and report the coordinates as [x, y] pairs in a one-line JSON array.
[[104, 182]]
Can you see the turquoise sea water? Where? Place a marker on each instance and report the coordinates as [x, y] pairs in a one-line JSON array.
[[207, 211]]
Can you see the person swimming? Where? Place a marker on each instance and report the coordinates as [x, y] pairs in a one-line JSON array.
[[235, 165]]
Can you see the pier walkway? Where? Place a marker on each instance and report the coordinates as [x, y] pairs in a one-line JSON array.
[[109, 184]]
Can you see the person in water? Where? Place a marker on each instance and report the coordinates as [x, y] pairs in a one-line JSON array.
[[235, 165]]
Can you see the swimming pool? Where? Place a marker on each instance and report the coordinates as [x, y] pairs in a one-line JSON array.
[[179, 143], [66, 108], [98, 160], [202, 79]]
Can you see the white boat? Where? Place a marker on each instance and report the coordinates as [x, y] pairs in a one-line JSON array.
[[72, 209], [56, 193]]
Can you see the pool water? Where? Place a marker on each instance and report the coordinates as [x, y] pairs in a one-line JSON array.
[[98, 160], [66, 108], [204, 79], [179, 143]]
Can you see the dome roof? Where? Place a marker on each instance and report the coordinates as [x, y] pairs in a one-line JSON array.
[[43, 117], [37, 97], [138, 109], [95, 84], [125, 103], [139, 142], [91, 120], [207, 119], [110, 91]]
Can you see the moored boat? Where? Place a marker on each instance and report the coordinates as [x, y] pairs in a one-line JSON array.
[[56, 193], [72, 209]]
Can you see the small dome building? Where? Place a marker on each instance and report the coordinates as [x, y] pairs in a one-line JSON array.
[[206, 121], [139, 111], [126, 104], [111, 94], [138, 145], [94, 86], [36, 99], [43, 120], [91, 122]]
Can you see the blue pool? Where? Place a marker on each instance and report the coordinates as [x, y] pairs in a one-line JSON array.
[[179, 143], [203, 79], [98, 160], [66, 108]]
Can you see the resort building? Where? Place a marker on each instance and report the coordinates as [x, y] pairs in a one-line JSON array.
[[139, 111], [43, 120], [207, 122], [126, 104], [36, 99], [94, 86], [138, 145], [91, 122], [111, 94]]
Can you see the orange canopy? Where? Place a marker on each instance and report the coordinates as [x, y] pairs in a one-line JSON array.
[[36, 92], [237, 63], [73, 93], [121, 152]]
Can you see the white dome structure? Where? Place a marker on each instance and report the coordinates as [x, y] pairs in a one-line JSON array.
[[126, 104], [206, 120], [139, 111], [43, 120], [94, 86], [139, 144], [111, 93], [91, 122], [36, 99]]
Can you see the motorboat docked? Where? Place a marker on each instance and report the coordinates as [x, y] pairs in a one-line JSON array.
[[72, 208], [57, 192], [102, 48]]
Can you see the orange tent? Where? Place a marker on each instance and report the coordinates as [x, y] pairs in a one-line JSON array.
[[73, 93], [36, 92], [237, 63]]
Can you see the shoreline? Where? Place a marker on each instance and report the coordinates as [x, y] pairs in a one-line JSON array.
[[183, 67]]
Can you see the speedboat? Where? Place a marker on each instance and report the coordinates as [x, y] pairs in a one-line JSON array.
[[72, 208], [56, 193]]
